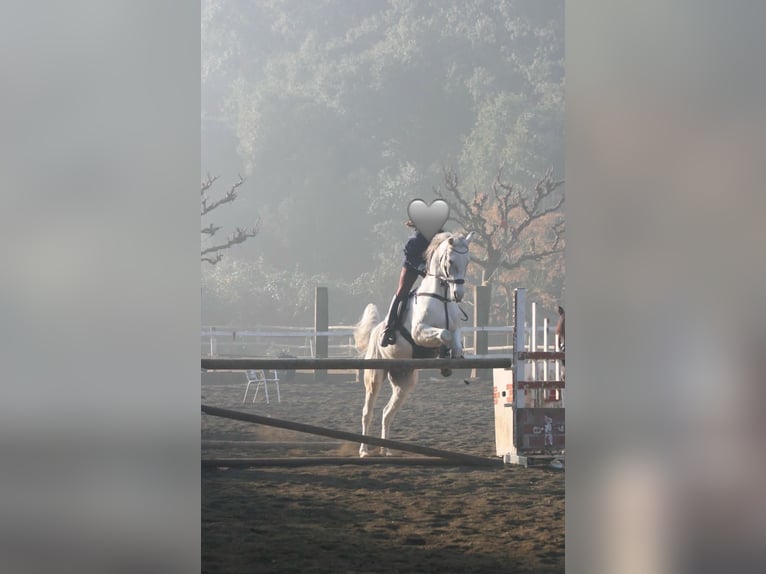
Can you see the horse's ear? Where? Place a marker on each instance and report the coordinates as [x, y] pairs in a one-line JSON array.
[[451, 242], [469, 237]]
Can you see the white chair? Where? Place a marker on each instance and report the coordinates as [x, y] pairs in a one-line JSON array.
[[258, 376]]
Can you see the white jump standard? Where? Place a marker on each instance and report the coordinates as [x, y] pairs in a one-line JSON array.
[[529, 412]]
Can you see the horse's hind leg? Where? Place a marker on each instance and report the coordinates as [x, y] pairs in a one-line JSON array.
[[402, 383], [373, 381]]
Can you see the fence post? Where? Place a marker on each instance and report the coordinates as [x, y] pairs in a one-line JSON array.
[[519, 319], [321, 324], [482, 294]]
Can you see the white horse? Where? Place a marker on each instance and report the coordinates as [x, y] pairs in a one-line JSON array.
[[430, 321]]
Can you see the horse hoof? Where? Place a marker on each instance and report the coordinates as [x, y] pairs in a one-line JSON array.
[[446, 372]]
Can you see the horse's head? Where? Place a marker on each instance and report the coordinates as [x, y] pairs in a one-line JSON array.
[[448, 260]]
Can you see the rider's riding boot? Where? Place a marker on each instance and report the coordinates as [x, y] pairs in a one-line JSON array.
[[389, 332]]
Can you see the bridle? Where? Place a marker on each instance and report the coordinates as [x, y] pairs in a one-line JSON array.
[[445, 281]]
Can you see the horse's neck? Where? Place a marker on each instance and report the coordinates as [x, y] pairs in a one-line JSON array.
[[432, 281], [434, 267], [430, 284]]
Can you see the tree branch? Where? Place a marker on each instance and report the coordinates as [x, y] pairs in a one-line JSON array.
[[239, 236], [231, 195], [468, 214], [213, 260], [214, 254], [534, 256], [210, 229], [208, 183], [491, 216]]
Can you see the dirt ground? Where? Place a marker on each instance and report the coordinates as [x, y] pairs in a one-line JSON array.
[[371, 519]]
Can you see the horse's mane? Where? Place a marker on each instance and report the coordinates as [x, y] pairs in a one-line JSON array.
[[436, 241]]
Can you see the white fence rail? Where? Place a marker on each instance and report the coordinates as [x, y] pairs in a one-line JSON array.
[[233, 342], [271, 341]]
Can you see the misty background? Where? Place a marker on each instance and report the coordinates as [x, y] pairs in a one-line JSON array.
[[338, 113]]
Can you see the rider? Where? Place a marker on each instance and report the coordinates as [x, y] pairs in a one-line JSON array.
[[414, 262]]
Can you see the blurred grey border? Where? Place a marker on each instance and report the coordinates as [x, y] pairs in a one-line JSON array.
[[665, 287], [99, 420]]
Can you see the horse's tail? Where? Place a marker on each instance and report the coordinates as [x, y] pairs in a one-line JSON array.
[[364, 327]]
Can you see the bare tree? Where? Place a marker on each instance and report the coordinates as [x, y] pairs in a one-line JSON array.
[[214, 253], [512, 226]]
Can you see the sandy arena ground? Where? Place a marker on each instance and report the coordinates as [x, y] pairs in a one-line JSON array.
[[370, 519]]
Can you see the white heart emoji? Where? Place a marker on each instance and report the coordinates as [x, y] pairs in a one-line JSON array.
[[428, 219]]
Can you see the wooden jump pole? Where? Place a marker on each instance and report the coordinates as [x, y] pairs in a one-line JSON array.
[[273, 443], [349, 363], [541, 355], [465, 459], [293, 461]]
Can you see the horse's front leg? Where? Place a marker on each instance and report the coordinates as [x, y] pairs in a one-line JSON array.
[[457, 344], [455, 350], [428, 336]]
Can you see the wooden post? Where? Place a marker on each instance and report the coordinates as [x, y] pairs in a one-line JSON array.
[[519, 318], [482, 294], [321, 324], [545, 347], [536, 393]]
